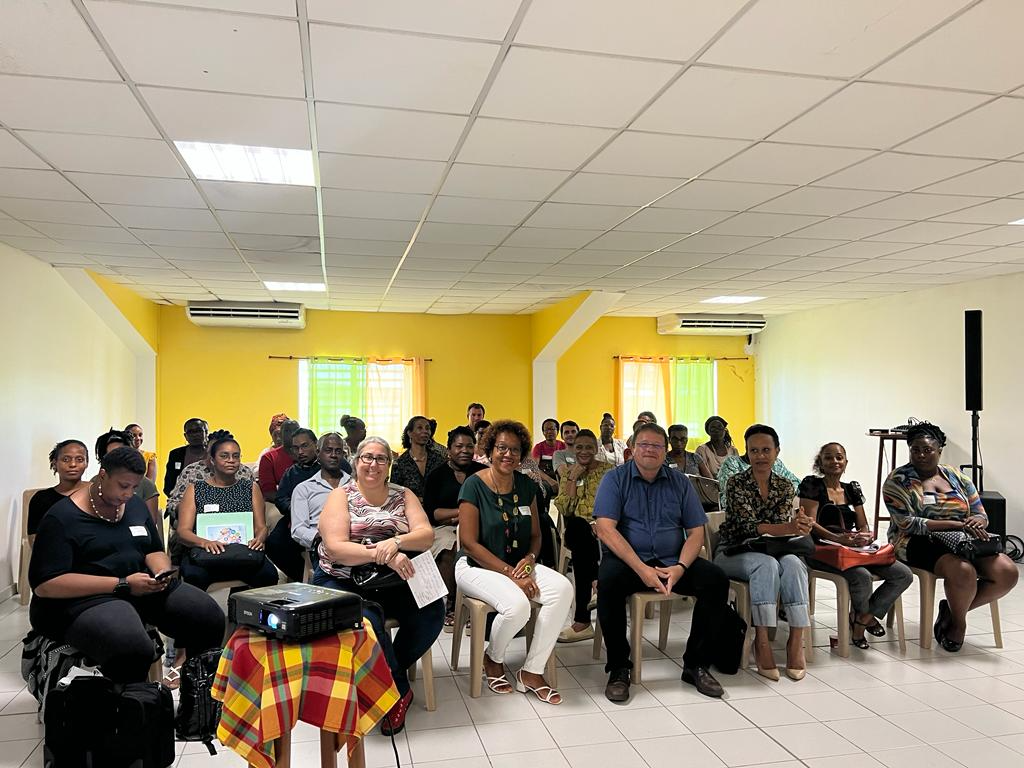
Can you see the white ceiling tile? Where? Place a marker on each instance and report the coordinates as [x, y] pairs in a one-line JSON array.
[[280, 243], [537, 255], [257, 121], [59, 211], [110, 234], [994, 180], [823, 201], [59, 105], [786, 163], [702, 194], [899, 172], [138, 190], [105, 154], [722, 244], [579, 271], [618, 240], [473, 210], [991, 255], [608, 258], [653, 154], [11, 227], [68, 259], [935, 268], [726, 103], [363, 248], [398, 70], [269, 198], [507, 268], [994, 212], [713, 273], [150, 217], [573, 216], [791, 246], [368, 229], [672, 220], [448, 250], [503, 183], [823, 263], [182, 238], [607, 189], [264, 257], [926, 232], [848, 228], [42, 185], [876, 266], [265, 7], [34, 241], [270, 223], [977, 50], [196, 254], [379, 174], [748, 261], [469, 234], [225, 52], [863, 249], [992, 236], [680, 261], [812, 37], [436, 266], [540, 237], [14, 154], [360, 130], [374, 205], [573, 88], [104, 251], [886, 115], [459, 18], [533, 145], [661, 29], [764, 224], [915, 206], [50, 39], [933, 252], [992, 131]]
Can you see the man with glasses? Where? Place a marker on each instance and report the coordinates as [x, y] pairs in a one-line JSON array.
[[651, 525]]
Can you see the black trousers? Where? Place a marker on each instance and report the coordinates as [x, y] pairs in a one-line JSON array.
[[616, 581], [579, 537], [285, 551], [112, 633]]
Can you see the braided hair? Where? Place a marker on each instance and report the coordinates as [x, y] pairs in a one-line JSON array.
[[217, 438], [925, 429]]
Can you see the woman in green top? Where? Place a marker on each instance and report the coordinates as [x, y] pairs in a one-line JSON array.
[[500, 537]]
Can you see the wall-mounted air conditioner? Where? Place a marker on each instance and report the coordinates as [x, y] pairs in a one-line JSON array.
[[709, 324], [248, 314]]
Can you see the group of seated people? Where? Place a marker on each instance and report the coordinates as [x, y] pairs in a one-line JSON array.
[[355, 514]]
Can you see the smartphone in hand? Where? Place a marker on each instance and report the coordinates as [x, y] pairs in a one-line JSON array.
[[167, 575]]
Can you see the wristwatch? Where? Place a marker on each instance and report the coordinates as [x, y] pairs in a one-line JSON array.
[[123, 588]]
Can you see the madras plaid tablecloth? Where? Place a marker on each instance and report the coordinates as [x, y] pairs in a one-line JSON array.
[[339, 683]]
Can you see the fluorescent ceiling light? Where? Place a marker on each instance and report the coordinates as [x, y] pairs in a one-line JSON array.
[[732, 299], [234, 162], [1018, 221], [311, 287]]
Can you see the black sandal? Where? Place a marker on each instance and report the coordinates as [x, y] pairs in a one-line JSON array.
[[861, 642], [876, 629]]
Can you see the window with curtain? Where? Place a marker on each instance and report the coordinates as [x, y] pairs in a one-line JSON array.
[[676, 390], [383, 393]]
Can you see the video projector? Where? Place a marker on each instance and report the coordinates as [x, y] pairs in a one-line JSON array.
[[296, 611]]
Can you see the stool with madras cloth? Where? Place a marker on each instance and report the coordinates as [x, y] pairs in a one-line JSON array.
[[339, 683]]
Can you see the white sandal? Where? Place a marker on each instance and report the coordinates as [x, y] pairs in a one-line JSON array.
[[499, 685], [545, 697]]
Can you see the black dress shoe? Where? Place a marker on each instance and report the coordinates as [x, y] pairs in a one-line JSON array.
[[618, 685], [701, 679]]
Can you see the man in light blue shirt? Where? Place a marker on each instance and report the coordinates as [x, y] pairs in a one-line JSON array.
[[309, 496]]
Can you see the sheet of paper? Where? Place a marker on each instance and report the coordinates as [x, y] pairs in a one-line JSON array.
[[427, 584]]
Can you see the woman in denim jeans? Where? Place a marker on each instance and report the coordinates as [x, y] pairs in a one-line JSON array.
[[759, 503]]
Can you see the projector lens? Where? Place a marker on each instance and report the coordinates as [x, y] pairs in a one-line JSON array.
[[273, 621]]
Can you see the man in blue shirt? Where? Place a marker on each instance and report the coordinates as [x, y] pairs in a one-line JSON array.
[[651, 524]]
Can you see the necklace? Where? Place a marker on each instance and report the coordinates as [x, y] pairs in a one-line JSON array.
[[511, 523], [117, 512]]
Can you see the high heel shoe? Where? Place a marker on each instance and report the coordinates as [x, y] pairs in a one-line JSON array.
[[861, 642], [795, 674], [771, 673]]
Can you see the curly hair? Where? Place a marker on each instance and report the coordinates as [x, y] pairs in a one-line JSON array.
[[928, 430], [816, 464], [507, 426]]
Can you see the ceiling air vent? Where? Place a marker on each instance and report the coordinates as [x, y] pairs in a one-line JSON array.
[[247, 314], [710, 324]]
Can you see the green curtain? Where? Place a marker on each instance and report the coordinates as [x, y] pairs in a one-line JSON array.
[[335, 388], [693, 395]]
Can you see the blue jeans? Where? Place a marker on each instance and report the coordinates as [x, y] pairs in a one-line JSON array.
[[769, 579], [418, 628]]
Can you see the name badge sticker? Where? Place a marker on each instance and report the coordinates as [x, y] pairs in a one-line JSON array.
[[177, 465], [211, 507], [524, 511], [138, 530], [929, 499]]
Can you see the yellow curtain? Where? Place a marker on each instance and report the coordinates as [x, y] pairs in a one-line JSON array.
[[395, 392], [643, 385]]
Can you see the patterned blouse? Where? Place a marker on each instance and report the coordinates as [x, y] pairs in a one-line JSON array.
[[733, 465], [367, 521], [910, 507], [404, 471], [582, 504], [747, 509]]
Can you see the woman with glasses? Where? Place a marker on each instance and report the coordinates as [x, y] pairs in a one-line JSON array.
[[68, 461], [367, 527], [499, 531]]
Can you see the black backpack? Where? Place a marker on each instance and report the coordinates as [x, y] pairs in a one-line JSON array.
[[91, 722], [729, 634], [198, 712]]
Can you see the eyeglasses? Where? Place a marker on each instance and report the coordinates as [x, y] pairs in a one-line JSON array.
[[369, 458], [509, 449], [651, 446]]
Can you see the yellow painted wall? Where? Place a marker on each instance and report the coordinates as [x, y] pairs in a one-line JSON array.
[[586, 372], [546, 323], [223, 374], [142, 313]]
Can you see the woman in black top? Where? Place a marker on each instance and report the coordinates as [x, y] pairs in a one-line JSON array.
[[68, 460], [92, 575], [419, 460], [828, 501]]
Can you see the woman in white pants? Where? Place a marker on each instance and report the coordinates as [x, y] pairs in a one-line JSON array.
[[500, 537]]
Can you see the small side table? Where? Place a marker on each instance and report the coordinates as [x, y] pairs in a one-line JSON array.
[[339, 683], [885, 440]]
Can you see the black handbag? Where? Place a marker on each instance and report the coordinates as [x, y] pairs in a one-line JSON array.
[[234, 558], [729, 634], [962, 544], [775, 546]]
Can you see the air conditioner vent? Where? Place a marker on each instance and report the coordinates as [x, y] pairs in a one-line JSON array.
[[247, 314], [710, 324]]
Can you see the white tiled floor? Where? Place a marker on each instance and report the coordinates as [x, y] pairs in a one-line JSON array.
[[925, 709]]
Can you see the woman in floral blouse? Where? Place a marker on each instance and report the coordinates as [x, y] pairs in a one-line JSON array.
[[760, 503]]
